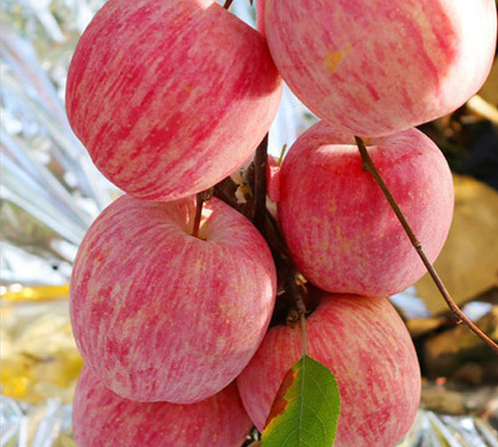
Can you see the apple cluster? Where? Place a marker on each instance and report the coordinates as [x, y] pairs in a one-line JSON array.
[[171, 313]]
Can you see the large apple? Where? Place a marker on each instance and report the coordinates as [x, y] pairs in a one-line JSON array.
[[366, 345], [161, 315], [170, 97], [340, 229], [101, 418], [376, 67]]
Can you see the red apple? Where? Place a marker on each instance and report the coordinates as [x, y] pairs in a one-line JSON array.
[[260, 16], [375, 67], [161, 315], [170, 97], [101, 418], [340, 229], [366, 345]]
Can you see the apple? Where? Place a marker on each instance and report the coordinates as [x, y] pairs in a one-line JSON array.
[[366, 345], [375, 67], [342, 233], [273, 179], [101, 418], [161, 315], [260, 16], [170, 97]]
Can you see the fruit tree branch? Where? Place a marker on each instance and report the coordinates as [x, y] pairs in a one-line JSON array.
[[260, 163], [288, 271], [458, 315], [296, 292]]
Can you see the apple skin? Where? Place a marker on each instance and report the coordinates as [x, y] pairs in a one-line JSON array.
[[160, 315], [260, 16], [340, 229], [375, 67], [101, 418], [170, 97], [364, 342]]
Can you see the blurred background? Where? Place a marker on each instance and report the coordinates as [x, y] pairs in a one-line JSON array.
[[51, 192]]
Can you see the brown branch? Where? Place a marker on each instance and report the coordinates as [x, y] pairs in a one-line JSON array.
[[295, 292], [227, 4], [260, 163], [287, 269], [457, 313]]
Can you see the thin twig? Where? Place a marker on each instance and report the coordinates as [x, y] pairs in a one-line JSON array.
[[227, 4], [457, 313], [260, 163]]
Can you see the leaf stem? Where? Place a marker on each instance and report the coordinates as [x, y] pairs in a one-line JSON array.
[[457, 313]]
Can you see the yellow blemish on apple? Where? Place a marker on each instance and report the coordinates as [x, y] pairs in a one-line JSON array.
[[343, 241], [338, 13], [332, 205], [334, 58]]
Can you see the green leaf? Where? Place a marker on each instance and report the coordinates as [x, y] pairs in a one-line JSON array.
[[306, 408]]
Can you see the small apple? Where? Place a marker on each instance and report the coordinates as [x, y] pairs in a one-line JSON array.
[[375, 67], [101, 418], [340, 229], [364, 342], [170, 97], [161, 315]]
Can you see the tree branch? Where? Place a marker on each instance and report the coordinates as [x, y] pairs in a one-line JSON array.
[[457, 313], [260, 163], [227, 4]]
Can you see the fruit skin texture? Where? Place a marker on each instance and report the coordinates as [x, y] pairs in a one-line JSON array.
[[367, 347], [170, 97], [160, 315], [101, 418], [340, 229], [260, 16], [375, 67]]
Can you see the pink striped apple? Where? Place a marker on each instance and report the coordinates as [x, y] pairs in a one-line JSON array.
[[101, 418], [340, 229], [170, 97], [366, 345], [260, 16], [161, 315], [375, 67]]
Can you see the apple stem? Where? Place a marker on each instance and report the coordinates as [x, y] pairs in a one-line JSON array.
[[201, 197], [260, 164], [227, 4], [282, 153], [457, 313]]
